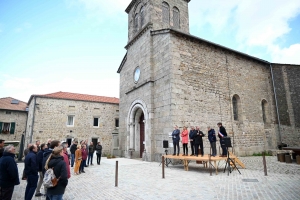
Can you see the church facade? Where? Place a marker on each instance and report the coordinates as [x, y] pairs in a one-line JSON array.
[[169, 77]]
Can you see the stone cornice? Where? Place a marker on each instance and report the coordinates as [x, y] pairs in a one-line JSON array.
[[122, 63], [138, 86], [139, 34], [130, 6]]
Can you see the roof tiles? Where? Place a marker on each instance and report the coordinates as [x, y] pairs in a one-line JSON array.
[[6, 104]]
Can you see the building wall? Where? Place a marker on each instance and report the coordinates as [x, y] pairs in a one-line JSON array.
[[51, 115], [19, 118]]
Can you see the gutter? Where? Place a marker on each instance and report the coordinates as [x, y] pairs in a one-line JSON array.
[[31, 132], [276, 104]]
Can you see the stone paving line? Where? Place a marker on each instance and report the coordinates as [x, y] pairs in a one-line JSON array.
[[143, 180]]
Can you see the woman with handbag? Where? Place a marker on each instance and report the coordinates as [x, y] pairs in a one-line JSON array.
[[78, 158], [57, 163]]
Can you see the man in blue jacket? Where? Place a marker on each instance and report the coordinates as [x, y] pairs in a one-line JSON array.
[[176, 138], [31, 171], [9, 175]]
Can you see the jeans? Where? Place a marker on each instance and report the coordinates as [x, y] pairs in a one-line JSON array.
[[39, 185], [90, 157], [6, 193], [98, 158], [31, 186], [192, 147], [72, 159], [82, 165], [55, 197], [213, 148], [176, 143]]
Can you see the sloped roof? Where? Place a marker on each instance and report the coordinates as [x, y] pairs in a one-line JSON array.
[[78, 97], [6, 104]]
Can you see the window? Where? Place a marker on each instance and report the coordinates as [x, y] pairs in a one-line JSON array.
[[236, 107], [96, 122], [7, 127], [142, 17], [136, 23], [165, 13], [264, 108], [70, 120], [117, 123], [8, 112], [176, 18]]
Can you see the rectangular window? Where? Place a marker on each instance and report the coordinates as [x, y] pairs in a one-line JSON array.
[[7, 127], [8, 112], [96, 122], [70, 120], [117, 123]]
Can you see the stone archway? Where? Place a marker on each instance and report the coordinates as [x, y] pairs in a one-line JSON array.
[[138, 139]]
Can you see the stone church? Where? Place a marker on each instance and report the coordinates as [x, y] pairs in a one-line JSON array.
[[169, 77]]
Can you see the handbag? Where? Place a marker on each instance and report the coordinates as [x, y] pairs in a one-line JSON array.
[[80, 158]]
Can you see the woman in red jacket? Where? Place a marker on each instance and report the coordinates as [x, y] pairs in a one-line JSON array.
[[84, 154], [185, 140]]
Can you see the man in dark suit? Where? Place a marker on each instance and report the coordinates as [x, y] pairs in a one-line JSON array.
[[176, 138], [192, 135], [222, 133]]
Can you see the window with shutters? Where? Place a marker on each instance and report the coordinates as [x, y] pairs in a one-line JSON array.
[[165, 13], [142, 16], [7, 127], [176, 18]]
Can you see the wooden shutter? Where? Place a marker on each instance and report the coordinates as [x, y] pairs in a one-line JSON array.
[[12, 127]]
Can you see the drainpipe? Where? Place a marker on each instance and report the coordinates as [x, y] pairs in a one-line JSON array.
[[34, 105], [276, 103]]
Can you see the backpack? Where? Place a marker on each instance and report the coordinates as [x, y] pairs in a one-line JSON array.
[[50, 179]]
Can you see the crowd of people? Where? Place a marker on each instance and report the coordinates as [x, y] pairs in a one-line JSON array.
[[40, 157], [195, 137]]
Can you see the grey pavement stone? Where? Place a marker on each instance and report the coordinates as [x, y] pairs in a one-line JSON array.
[[143, 180]]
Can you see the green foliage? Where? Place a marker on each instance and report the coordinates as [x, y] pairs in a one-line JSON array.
[[260, 154]]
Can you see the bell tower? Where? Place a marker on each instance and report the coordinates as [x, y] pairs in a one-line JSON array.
[[162, 14]]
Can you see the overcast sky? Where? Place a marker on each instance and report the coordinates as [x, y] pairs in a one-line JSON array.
[[78, 45]]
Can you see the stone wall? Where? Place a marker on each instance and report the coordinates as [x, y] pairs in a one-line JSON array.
[[51, 115], [19, 118]]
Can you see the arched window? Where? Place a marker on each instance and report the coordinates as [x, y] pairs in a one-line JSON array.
[[165, 13], [236, 107], [264, 105], [136, 22], [176, 18], [142, 16]]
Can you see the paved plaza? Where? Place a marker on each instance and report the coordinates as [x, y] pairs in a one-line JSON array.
[[143, 180]]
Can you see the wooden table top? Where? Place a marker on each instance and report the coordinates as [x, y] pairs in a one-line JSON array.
[[291, 148]]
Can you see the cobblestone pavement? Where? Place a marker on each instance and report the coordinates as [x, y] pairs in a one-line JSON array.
[[143, 180]]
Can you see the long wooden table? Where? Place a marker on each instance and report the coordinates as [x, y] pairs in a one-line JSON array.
[[294, 149], [205, 158]]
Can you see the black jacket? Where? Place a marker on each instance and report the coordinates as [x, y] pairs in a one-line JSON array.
[[31, 165], [46, 155], [9, 175], [40, 159], [192, 134], [198, 137], [99, 149], [73, 148], [60, 170], [223, 131]]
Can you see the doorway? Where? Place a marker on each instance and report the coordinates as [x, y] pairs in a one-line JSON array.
[[69, 141], [95, 141], [142, 134]]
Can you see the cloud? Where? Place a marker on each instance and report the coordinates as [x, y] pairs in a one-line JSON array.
[[253, 24], [286, 55]]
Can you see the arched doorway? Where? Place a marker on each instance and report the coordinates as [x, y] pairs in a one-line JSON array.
[[142, 134]]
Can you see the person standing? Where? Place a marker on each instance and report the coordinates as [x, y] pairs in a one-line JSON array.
[[1, 147], [212, 139], [9, 175], [31, 171], [176, 138], [98, 152], [57, 163], [66, 158], [192, 142], [84, 154], [78, 159], [185, 141], [87, 150], [38, 145], [199, 141], [222, 134], [91, 153], [40, 165], [73, 148]]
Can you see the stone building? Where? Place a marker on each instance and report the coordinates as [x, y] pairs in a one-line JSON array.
[[169, 77], [65, 116], [13, 117]]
